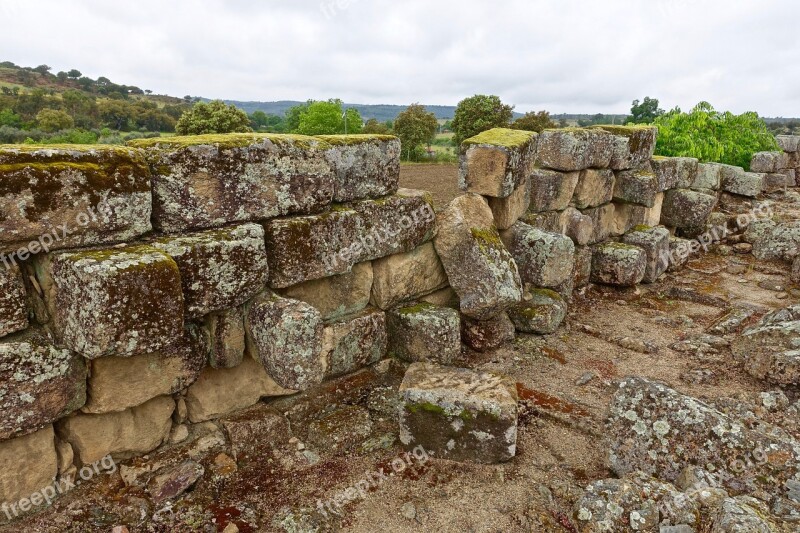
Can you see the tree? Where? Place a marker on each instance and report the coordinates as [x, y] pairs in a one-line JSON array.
[[115, 114], [375, 127], [42, 69], [62, 76], [415, 127], [479, 113], [327, 118], [74, 74], [534, 122], [9, 118], [213, 117], [645, 112], [53, 120]]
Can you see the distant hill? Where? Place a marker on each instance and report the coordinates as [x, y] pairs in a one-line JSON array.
[[380, 112]]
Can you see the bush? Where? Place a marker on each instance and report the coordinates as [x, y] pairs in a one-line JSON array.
[[479, 113], [213, 117]]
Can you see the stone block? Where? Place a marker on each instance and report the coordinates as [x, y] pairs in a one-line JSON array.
[[446, 297], [583, 266], [337, 296], [340, 431], [424, 332], [487, 335], [602, 221], [226, 336], [781, 241], [674, 172], [459, 414], [776, 182], [628, 216], [655, 243], [768, 162], [496, 162], [736, 181], [687, 209], [540, 313], [570, 149], [789, 143], [638, 187], [508, 210], [552, 190], [632, 146], [13, 312], [795, 276], [364, 166], [27, 465], [618, 264], [353, 342], [680, 250], [770, 349], [595, 188], [709, 176], [544, 259], [408, 276]]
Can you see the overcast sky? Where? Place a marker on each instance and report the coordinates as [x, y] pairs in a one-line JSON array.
[[576, 56]]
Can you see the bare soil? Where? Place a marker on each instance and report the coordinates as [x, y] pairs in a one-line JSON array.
[[440, 180]]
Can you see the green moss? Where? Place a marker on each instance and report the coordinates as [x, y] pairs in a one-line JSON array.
[[427, 407], [121, 151], [487, 237], [642, 227], [348, 140], [502, 137], [553, 295], [416, 308], [625, 131], [231, 140]]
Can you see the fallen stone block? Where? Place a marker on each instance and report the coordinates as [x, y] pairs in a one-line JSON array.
[[470, 249], [39, 383], [789, 143], [781, 241], [618, 264], [570, 149], [602, 221], [336, 296], [632, 146], [496, 162], [27, 466], [552, 190], [583, 266], [123, 435], [13, 312], [674, 172], [404, 277], [353, 342], [486, 335], [207, 181], [639, 187], [459, 414], [540, 313], [655, 243], [544, 259], [508, 210], [776, 182], [255, 430], [286, 337], [340, 431], [69, 196], [226, 335], [770, 349], [736, 181], [680, 250], [220, 269], [172, 481], [424, 332], [595, 188], [709, 176], [364, 166], [768, 162], [687, 209], [122, 301]]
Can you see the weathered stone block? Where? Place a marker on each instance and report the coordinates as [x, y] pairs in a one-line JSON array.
[[570, 149], [39, 383], [496, 162], [64, 197], [425, 332], [122, 435], [632, 146], [791, 176], [206, 181], [340, 431], [595, 187], [674, 172], [353, 342], [508, 210], [680, 250], [544, 259], [27, 465], [226, 335], [220, 268], [13, 313], [486, 335], [655, 243], [628, 216], [583, 266], [336, 296], [618, 264], [122, 301], [286, 336], [602, 221], [709, 176], [770, 349], [540, 313], [364, 166], [470, 249], [446, 297], [403, 277], [687, 209], [768, 162], [795, 277], [781, 241], [459, 414], [636, 187], [776, 182], [552, 190], [736, 181], [789, 143], [569, 222]]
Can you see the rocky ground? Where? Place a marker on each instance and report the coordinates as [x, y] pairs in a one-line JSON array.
[[342, 468]]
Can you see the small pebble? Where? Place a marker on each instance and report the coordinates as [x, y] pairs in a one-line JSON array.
[[409, 511], [743, 248], [782, 295], [586, 378]]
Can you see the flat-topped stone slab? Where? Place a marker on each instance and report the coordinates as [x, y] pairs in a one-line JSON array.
[[570, 149], [365, 166], [632, 146], [496, 162], [424, 332]]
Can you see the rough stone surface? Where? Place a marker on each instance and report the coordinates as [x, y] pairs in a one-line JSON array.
[[508, 210], [340, 431], [123, 302], [674, 172], [459, 414], [260, 424], [569, 149], [687, 209], [544, 259], [775, 182], [220, 268], [424, 332], [789, 143], [768, 162], [583, 266], [353, 342], [628, 216], [576, 226], [403, 277], [27, 465], [286, 336], [496, 162], [123, 435], [226, 334], [172, 481], [618, 264], [446, 297], [602, 221], [736, 181], [795, 277], [781, 241], [337, 296], [770, 349], [13, 314], [552, 190], [540, 313], [39, 383], [206, 181], [486, 335], [655, 243], [679, 253], [102, 195], [632, 146], [595, 187], [636, 187], [709, 176], [364, 166], [470, 249]]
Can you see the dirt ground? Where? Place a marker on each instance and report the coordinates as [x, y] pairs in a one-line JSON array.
[[440, 180], [566, 381]]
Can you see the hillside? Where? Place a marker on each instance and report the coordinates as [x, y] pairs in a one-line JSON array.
[[380, 112]]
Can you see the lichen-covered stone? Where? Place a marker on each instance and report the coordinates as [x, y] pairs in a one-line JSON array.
[[736, 181], [544, 259], [768, 162], [408, 276], [602, 222], [636, 187], [424, 332], [286, 336], [220, 269], [628, 216], [27, 465], [508, 210], [655, 243], [780, 241], [570, 222], [770, 350], [674, 172], [680, 250], [687, 209], [709, 176], [446, 297], [13, 313], [742, 514], [119, 383], [775, 182], [618, 264], [486, 335], [552, 190], [496, 162], [226, 335], [39, 383], [120, 301], [540, 313], [69, 196], [123, 435], [337, 296], [459, 414], [789, 143], [478, 265], [595, 188], [206, 181], [353, 342], [569, 149], [795, 276], [365, 166], [583, 266], [632, 146]]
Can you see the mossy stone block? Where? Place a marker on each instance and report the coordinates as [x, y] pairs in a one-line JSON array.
[[424, 332], [365, 166], [496, 162]]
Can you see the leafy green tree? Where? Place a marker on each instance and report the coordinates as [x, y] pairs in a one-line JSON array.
[[213, 117], [293, 116], [645, 112], [115, 114], [415, 127], [327, 118], [479, 113], [713, 136], [62, 76], [53, 120], [375, 127], [534, 122], [42, 69], [74, 74], [9, 118]]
